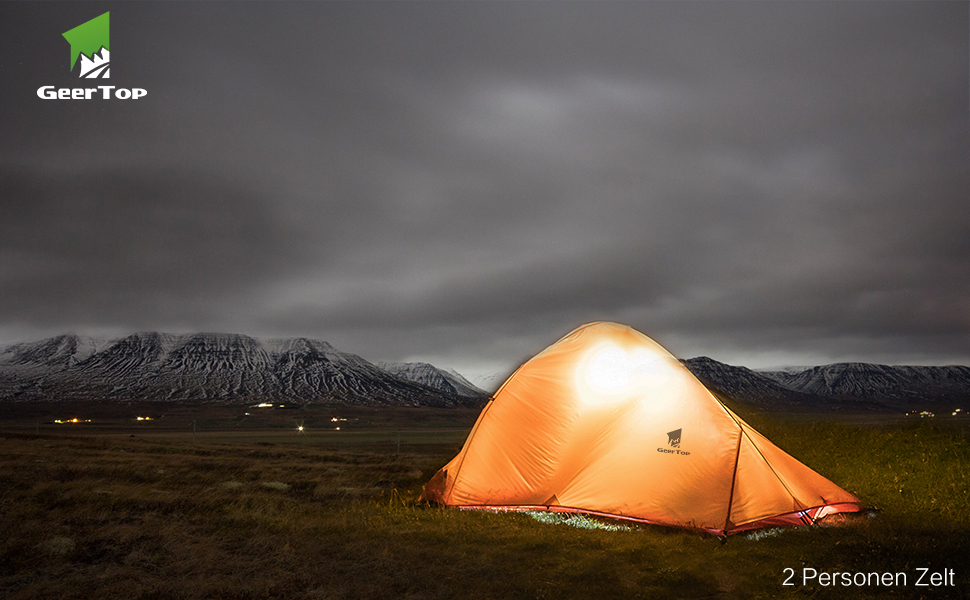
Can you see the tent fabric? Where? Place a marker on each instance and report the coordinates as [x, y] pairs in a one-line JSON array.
[[606, 422]]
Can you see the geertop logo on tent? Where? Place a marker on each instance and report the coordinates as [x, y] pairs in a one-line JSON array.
[[90, 41], [673, 438]]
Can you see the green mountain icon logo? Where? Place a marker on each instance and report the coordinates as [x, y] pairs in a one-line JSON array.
[[90, 41]]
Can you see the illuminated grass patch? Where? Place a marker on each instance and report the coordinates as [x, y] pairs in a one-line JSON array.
[[578, 521]]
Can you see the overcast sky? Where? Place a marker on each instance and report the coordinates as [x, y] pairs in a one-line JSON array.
[[765, 183]]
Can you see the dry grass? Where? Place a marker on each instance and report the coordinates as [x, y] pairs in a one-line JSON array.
[[91, 516]]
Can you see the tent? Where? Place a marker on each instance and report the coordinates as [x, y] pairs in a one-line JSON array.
[[606, 422]]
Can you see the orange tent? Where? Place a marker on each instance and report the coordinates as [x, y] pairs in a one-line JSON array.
[[607, 422]]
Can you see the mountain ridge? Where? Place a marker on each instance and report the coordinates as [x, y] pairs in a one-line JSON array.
[[209, 367], [839, 386], [428, 374], [239, 368]]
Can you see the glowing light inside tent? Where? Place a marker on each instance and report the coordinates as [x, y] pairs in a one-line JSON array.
[[609, 372]]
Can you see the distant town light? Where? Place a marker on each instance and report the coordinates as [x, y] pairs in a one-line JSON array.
[[300, 428], [265, 405], [143, 418], [74, 420]]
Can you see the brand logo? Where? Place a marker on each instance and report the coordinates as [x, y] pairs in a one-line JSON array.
[[91, 42], [673, 440]]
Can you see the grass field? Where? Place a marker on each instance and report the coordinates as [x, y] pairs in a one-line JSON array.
[[252, 508]]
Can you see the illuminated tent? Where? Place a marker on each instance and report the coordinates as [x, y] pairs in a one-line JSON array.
[[606, 422]]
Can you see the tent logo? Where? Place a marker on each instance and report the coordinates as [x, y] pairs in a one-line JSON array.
[[90, 41], [674, 438]]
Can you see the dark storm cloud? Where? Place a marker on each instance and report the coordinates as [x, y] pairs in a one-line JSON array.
[[131, 245], [472, 180]]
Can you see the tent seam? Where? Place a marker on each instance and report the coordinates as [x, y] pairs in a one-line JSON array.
[[734, 478], [758, 450]]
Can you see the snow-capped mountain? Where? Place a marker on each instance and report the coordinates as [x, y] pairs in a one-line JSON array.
[[432, 376], [491, 381], [887, 382], [239, 368], [206, 366], [841, 386]]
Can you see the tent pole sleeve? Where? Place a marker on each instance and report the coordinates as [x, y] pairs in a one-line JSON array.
[[734, 478]]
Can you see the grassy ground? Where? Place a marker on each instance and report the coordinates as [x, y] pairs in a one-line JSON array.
[[267, 512]]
